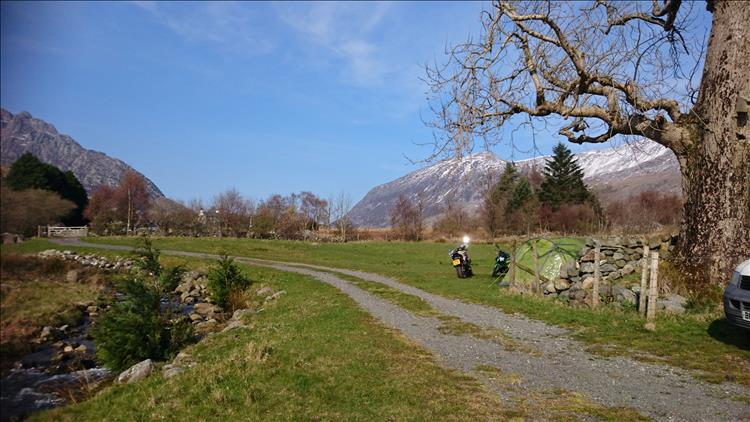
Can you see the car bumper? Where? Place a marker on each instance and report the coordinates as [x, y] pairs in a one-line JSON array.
[[735, 301]]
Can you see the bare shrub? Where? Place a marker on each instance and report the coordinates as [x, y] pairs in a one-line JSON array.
[[22, 211]]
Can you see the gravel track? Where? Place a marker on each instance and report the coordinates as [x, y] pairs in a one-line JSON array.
[[658, 391]]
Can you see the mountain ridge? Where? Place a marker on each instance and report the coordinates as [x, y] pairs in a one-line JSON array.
[[613, 173], [22, 133]]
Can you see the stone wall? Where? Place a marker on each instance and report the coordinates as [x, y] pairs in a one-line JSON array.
[[619, 259]]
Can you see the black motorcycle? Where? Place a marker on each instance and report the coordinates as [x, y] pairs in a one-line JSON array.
[[502, 262], [461, 261]]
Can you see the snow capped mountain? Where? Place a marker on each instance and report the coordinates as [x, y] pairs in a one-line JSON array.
[[613, 173]]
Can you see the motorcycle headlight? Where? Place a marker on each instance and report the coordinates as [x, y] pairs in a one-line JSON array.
[[735, 280]]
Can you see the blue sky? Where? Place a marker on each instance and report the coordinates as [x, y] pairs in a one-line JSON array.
[[262, 97]]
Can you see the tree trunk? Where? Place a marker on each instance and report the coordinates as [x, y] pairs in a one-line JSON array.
[[715, 166]]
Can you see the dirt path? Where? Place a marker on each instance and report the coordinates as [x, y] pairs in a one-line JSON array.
[[559, 362]]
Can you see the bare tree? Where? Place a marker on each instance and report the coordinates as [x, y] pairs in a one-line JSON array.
[[234, 212], [341, 205], [407, 218], [609, 70]]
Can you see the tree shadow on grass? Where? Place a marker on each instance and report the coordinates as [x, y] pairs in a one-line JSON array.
[[727, 333]]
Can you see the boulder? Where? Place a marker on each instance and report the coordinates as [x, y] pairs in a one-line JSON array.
[[587, 283], [607, 268], [623, 295], [171, 370], [620, 263], [195, 317], [72, 276], [577, 295], [614, 275], [49, 333], [618, 256], [672, 303], [561, 284], [588, 257], [627, 269], [575, 286], [234, 324], [550, 288], [587, 267], [136, 372], [207, 309]]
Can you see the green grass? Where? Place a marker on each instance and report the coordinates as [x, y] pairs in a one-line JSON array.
[[704, 342], [311, 355], [34, 294]]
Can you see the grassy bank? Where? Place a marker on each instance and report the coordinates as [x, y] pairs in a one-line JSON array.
[[34, 293], [311, 355]]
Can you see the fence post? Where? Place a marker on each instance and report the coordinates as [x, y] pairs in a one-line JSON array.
[[536, 270], [512, 275], [597, 275], [653, 292], [644, 280]]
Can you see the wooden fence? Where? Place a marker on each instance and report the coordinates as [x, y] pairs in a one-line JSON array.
[[54, 231]]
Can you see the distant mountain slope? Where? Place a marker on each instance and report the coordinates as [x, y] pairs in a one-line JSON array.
[[22, 133], [613, 174]]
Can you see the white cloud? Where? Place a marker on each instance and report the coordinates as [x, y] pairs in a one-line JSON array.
[[346, 30], [231, 25]]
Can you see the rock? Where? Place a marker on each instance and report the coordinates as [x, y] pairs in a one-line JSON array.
[[275, 295], [618, 256], [561, 284], [575, 279], [623, 295], [182, 359], [550, 287], [654, 243], [587, 267], [171, 370], [627, 269], [49, 333], [72, 276], [93, 309], [577, 294], [206, 326], [620, 263], [68, 348], [81, 349], [206, 309], [184, 296], [587, 283], [189, 300], [614, 275], [136, 372], [672, 303], [240, 313], [564, 294], [195, 317], [234, 324], [264, 292], [607, 268], [575, 286]]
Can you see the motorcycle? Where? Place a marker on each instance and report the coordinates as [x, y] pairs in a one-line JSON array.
[[502, 261], [461, 260]]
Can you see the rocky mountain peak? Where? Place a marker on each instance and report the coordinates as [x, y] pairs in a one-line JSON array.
[[22, 133]]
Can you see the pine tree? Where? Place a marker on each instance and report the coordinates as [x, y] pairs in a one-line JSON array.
[[563, 182], [521, 194]]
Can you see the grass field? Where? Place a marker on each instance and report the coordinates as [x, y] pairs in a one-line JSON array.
[[314, 355], [702, 341]]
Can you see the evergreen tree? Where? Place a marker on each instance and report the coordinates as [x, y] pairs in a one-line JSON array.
[[28, 172], [521, 194], [505, 185], [563, 182]]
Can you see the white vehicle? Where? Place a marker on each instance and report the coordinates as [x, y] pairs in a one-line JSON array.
[[737, 297]]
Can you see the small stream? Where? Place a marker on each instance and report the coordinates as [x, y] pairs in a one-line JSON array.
[[54, 374]]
